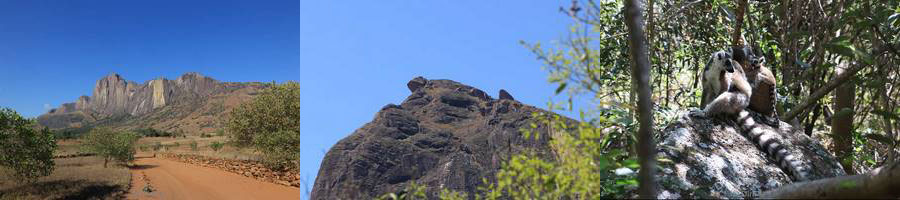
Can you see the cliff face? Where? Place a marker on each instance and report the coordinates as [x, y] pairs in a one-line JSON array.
[[113, 96]]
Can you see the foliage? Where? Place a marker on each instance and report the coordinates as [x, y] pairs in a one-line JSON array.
[[110, 144], [281, 150], [151, 132], [216, 145], [582, 167], [276, 109], [193, 145], [27, 152]]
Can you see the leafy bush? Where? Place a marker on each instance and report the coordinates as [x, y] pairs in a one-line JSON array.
[[216, 145], [110, 144], [27, 152], [151, 132], [193, 145], [276, 109], [280, 149]]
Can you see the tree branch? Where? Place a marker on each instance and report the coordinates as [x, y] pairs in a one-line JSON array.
[[881, 182]]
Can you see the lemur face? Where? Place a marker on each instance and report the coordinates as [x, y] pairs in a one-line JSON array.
[[757, 62], [724, 59]]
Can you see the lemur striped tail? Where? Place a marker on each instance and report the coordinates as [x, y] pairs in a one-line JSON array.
[[768, 141]]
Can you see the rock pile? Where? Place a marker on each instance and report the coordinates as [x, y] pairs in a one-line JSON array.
[[246, 168]]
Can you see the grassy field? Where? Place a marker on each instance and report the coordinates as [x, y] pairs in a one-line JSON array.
[[74, 178]]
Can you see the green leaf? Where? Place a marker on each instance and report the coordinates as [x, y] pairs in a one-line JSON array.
[[561, 87]]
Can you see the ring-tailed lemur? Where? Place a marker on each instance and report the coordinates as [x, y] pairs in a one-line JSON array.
[[733, 98], [763, 82], [725, 87], [714, 83]]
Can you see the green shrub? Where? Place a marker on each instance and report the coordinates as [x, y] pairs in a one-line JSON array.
[[281, 150], [151, 132], [110, 144], [27, 152], [220, 132], [193, 145], [216, 145], [276, 108]]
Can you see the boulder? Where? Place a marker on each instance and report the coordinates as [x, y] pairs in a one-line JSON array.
[[505, 95], [711, 159]]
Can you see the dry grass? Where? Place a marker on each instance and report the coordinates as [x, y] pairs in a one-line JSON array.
[[228, 151], [74, 178]]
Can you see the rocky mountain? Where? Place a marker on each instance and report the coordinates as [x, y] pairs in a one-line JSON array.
[[447, 135], [190, 103]]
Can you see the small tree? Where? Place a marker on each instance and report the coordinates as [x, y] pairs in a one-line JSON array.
[[29, 153], [215, 146], [110, 144], [280, 149], [193, 145]]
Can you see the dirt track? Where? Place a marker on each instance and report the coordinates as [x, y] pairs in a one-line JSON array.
[[175, 180]]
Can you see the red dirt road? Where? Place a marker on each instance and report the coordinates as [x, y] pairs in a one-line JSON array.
[[176, 180]]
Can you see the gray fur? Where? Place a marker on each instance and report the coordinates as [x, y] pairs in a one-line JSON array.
[[732, 93], [714, 81]]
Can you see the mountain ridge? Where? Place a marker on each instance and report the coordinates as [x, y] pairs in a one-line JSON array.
[[156, 103]]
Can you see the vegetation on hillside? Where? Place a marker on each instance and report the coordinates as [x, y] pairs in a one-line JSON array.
[[27, 152], [271, 124]]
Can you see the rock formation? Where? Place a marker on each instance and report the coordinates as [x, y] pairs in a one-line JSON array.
[[113, 97], [447, 135], [711, 159]]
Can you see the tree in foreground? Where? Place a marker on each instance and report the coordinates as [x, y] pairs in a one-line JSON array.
[[280, 149], [27, 152], [271, 124], [275, 109], [110, 145]]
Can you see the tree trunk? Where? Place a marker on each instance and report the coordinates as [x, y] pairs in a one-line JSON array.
[[640, 72], [105, 161], [880, 183], [842, 123]]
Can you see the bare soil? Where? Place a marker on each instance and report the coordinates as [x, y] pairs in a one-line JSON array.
[[175, 180]]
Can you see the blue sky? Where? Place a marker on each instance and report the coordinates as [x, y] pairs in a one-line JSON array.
[[357, 56], [52, 52]]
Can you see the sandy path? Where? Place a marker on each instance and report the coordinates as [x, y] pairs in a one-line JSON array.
[[176, 180]]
